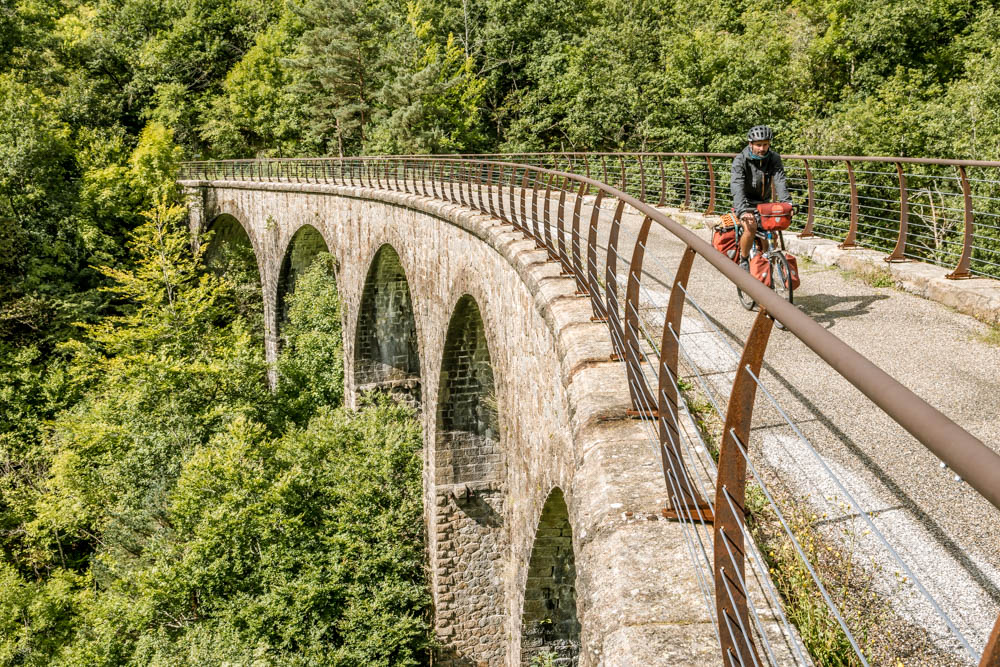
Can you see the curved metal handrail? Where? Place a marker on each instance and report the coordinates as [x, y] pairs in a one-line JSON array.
[[977, 464], [971, 259]]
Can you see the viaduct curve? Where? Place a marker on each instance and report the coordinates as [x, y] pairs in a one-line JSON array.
[[542, 499], [543, 520]]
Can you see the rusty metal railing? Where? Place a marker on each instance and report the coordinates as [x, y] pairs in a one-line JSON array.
[[564, 214], [945, 212]]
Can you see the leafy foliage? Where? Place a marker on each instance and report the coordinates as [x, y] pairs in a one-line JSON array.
[[171, 512], [157, 503], [311, 367]]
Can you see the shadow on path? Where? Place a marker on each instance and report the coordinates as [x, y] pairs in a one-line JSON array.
[[828, 308]]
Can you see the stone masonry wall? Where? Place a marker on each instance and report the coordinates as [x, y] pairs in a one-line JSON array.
[[386, 338], [549, 622], [470, 498], [560, 408]]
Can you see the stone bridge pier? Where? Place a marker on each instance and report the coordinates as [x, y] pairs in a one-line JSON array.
[[541, 499]]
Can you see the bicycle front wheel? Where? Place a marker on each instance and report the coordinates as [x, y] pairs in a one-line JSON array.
[[781, 279]]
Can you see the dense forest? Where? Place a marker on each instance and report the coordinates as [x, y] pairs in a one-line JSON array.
[[158, 504]]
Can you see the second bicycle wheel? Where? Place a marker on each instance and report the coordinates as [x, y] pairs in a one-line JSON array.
[[781, 281], [745, 299]]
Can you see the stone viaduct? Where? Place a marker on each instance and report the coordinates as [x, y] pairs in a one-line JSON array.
[[541, 499]]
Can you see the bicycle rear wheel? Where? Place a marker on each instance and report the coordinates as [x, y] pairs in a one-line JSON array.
[[745, 299], [781, 281]]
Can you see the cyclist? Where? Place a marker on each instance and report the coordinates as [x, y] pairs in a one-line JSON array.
[[755, 170]]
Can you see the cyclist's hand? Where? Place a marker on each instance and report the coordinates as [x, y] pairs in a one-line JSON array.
[[747, 217]]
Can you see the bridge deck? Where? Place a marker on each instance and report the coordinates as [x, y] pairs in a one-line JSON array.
[[945, 531]]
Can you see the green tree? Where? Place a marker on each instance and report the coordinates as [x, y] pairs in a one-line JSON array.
[[311, 363], [432, 100], [256, 113], [338, 70]]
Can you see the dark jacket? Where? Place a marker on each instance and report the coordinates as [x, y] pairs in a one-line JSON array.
[[751, 181]]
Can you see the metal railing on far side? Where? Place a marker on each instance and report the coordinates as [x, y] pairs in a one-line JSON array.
[[944, 212]]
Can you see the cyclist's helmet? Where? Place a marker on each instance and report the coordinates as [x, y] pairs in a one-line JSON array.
[[760, 133]]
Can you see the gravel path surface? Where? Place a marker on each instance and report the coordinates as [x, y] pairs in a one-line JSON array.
[[942, 528]]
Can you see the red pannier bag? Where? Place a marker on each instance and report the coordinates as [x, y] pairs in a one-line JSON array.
[[760, 269], [774, 217], [793, 270], [724, 237]]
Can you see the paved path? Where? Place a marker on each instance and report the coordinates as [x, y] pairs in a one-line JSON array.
[[941, 527]]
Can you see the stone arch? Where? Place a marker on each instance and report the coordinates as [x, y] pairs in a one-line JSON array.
[[231, 252], [305, 245], [549, 622], [467, 446], [385, 350], [470, 485]]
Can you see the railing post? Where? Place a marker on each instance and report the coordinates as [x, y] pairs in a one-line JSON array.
[[807, 231], [687, 183], [525, 226], [593, 284], [642, 180], [536, 224], [711, 187], [962, 270], [468, 182], [904, 218], [611, 286], [479, 187], [586, 169], [689, 503], [451, 181], [500, 208], [643, 403], [581, 284], [512, 201], [604, 168], [547, 220], [991, 654], [489, 191], [730, 496], [663, 182], [621, 163], [852, 231], [564, 258]]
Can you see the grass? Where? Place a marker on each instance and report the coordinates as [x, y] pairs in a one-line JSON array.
[[803, 603], [991, 336], [848, 582], [544, 659], [873, 276]]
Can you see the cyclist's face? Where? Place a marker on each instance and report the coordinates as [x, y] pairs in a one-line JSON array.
[[760, 147]]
